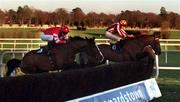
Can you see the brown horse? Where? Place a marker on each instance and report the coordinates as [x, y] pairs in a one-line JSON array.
[[130, 50], [62, 56]]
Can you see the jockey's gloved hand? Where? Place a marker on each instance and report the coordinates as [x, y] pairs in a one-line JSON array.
[[66, 37], [61, 42], [130, 36]]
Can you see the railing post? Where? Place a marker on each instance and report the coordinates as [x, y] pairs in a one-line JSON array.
[[166, 53], [14, 45], [157, 66], [31, 44], [1, 46]]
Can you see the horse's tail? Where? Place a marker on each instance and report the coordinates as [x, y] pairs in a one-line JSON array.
[[11, 65]]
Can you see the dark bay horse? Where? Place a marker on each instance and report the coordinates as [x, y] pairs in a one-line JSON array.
[[63, 57], [130, 50]]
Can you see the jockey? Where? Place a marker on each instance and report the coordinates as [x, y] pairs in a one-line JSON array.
[[57, 35], [116, 32]]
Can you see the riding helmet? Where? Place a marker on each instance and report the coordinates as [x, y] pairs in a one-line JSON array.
[[65, 29], [123, 22]]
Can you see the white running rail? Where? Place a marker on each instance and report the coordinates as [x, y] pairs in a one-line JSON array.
[[16, 44]]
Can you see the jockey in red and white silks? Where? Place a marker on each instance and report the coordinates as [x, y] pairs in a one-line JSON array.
[[116, 31], [56, 34]]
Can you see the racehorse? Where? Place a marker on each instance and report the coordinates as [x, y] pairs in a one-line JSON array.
[[130, 50], [62, 56]]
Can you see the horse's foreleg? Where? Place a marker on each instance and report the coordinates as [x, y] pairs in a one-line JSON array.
[[10, 69]]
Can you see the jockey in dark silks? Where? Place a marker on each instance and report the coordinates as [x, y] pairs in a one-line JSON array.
[[54, 35], [116, 32]]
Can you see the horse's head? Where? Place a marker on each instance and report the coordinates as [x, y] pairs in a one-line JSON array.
[[153, 41], [87, 45], [156, 43], [92, 48], [91, 53], [78, 44]]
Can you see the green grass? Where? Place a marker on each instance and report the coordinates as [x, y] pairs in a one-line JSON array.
[[173, 59], [98, 33], [35, 33], [169, 84], [19, 33], [175, 34]]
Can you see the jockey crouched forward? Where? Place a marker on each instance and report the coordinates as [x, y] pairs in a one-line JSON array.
[[54, 35], [116, 32]]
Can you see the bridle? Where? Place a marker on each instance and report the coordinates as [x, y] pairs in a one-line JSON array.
[[155, 39]]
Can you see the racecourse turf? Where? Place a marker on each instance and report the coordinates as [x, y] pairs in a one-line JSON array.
[[169, 84]]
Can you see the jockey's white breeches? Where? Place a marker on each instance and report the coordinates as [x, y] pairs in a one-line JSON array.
[[112, 36], [46, 37]]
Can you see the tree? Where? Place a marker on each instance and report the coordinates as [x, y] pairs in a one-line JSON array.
[[2, 17], [164, 24], [92, 19], [152, 20], [177, 22], [172, 19], [103, 17], [12, 16], [165, 29], [163, 13], [77, 16], [62, 16], [20, 15], [27, 14], [41, 17]]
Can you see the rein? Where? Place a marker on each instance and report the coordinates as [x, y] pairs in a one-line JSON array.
[[100, 53]]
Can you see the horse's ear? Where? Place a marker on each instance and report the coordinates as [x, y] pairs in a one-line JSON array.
[[93, 38], [157, 34]]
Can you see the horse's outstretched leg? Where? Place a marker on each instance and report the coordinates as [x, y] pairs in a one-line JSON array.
[[10, 69]]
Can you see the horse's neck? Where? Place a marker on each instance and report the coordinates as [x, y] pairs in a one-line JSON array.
[[77, 45], [142, 40]]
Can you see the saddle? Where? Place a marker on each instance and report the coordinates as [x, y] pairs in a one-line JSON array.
[[42, 50], [46, 49], [118, 46]]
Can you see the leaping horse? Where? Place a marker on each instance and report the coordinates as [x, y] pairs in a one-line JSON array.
[[130, 51], [62, 55]]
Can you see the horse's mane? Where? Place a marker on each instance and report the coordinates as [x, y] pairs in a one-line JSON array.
[[81, 38], [156, 34], [143, 36], [76, 38]]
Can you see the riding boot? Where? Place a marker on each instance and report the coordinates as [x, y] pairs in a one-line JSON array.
[[120, 44], [49, 47]]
